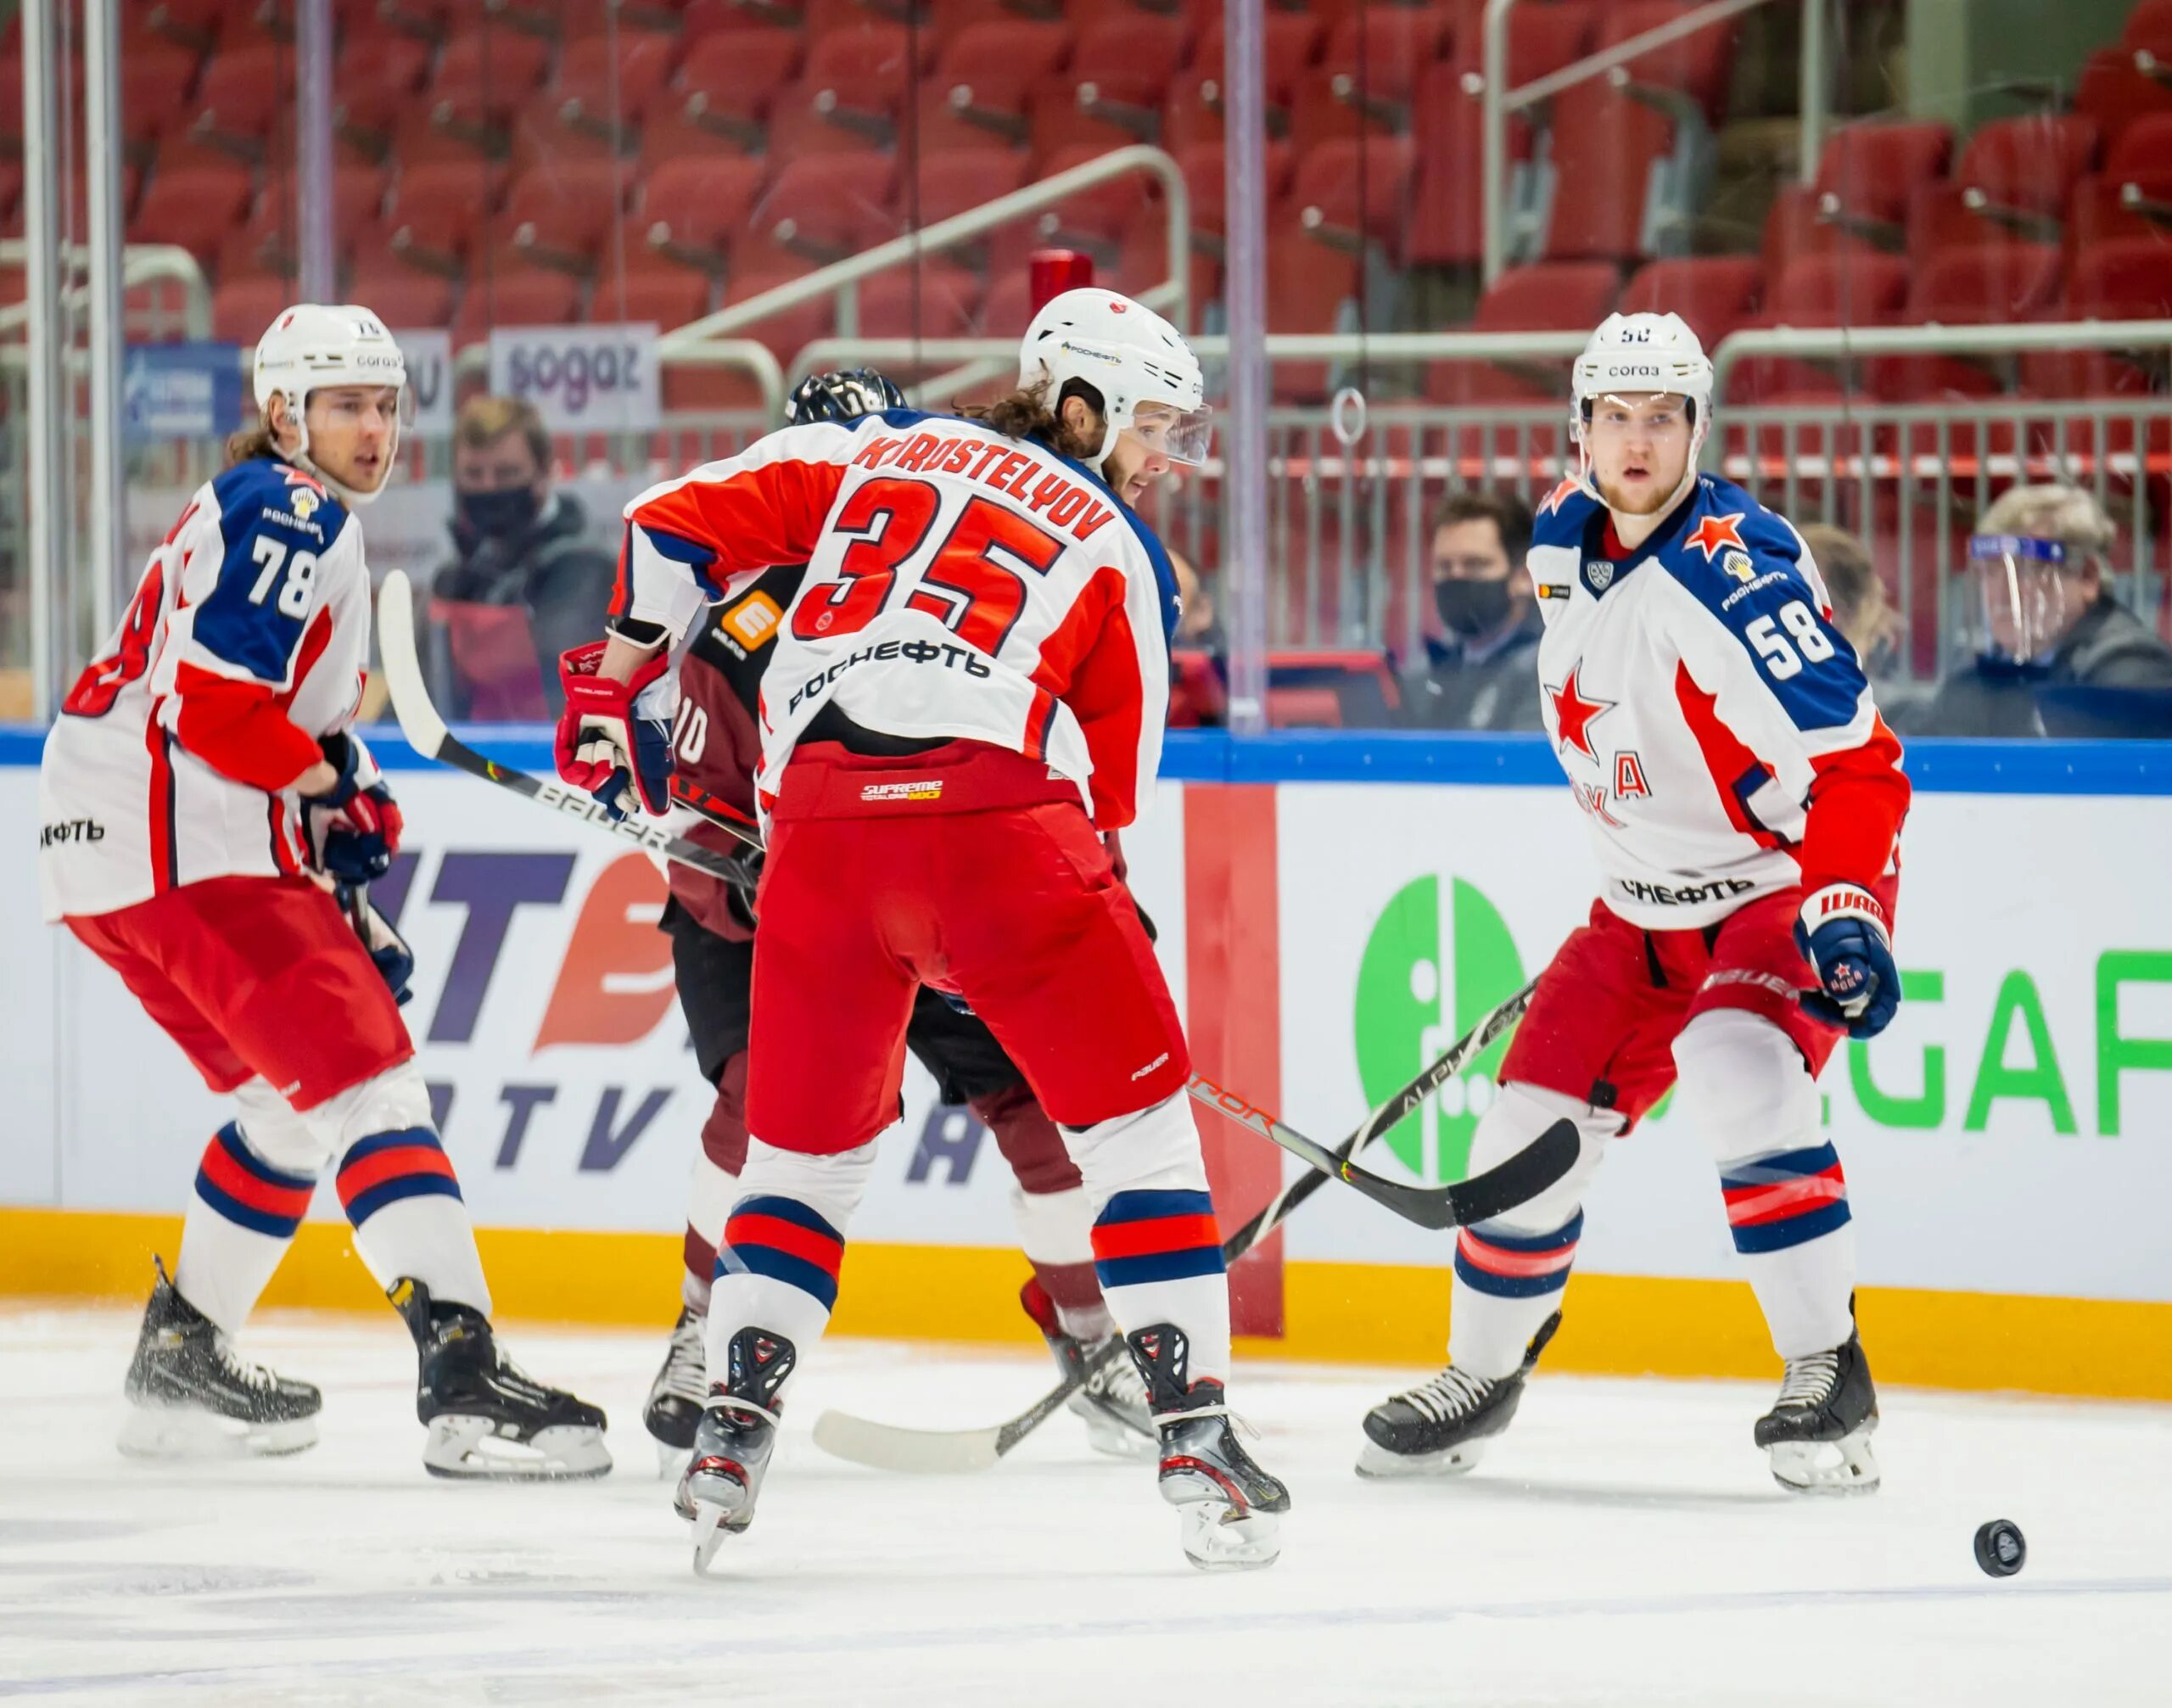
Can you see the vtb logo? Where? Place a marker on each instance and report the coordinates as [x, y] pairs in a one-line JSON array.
[[1438, 959]]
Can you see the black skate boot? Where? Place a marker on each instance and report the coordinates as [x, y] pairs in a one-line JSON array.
[[486, 1416], [191, 1397], [1443, 1426], [673, 1411], [738, 1433], [1232, 1509], [1111, 1400], [1818, 1431]]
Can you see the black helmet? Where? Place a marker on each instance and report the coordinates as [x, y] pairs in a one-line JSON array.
[[841, 396]]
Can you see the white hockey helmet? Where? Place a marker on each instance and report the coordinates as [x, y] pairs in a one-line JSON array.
[[1130, 355], [1635, 354], [316, 346]]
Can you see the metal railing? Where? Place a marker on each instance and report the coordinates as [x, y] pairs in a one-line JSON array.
[[141, 264]]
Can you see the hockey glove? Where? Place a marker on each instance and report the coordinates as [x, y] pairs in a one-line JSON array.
[[394, 960], [612, 740], [354, 827], [1842, 932]]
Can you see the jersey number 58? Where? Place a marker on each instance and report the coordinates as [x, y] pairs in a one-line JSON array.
[[1781, 660]]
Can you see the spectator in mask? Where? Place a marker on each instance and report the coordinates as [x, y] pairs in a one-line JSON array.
[[2052, 643], [527, 583], [1198, 654], [1483, 672]]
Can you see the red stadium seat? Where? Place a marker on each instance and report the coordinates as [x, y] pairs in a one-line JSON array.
[[2123, 279], [2145, 146], [533, 297], [155, 78], [943, 301], [2112, 206], [441, 208], [1131, 44], [381, 83], [638, 64], [1697, 64], [1013, 50], [2149, 29], [562, 213], [1291, 44], [816, 116], [494, 70], [1871, 170], [1968, 287], [730, 79], [869, 55], [1448, 219], [671, 296], [1549, 296], [788, 331], [701, 206], [1110, 111], [242, 308], [666, 136], [1603, 151], [1206, 172], [194, 207], [403, 298], [1862, 289], [953, 181], [1379, 53], [989, 112], [1714, 293], [2111, 94], [2011, 182], [826, 207], [1541, 39], [243, 91]]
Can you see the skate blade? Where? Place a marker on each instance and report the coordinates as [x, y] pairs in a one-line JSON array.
[[1109, 1434], [709, 1532], [189, 1432], [470, 1448], [1843, 1467], [1218, 1539], [1377, 1464]]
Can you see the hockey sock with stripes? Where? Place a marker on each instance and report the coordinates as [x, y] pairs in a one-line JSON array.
[[401, 1195], [242, 1217], [1158, 1253], [1507, 1281], [1788, 1213]]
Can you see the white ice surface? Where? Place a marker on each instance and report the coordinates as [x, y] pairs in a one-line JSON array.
[[1621, 1546]]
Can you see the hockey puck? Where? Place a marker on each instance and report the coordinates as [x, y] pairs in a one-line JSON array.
[[2000, 1549]]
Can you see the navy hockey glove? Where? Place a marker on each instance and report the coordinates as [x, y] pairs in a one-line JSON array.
[[1843, 934], [387, 950], [354, 827]]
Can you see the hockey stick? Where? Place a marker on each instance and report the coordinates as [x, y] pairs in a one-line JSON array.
[[427, 734], [889, 1446]]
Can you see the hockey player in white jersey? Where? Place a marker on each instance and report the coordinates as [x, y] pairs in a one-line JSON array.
[[210, 825], [1744, 800]]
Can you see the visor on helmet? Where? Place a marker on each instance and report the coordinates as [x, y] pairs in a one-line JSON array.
[[1182, 435], [2025, 595]]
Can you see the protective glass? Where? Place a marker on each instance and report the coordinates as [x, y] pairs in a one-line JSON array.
[[2025, 594]]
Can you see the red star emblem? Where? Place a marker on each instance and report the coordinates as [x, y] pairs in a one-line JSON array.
[[1573, 715], [1554, 500], [1714, 532]]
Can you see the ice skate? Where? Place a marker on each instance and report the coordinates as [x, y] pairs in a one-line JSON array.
[[1232, 1509], [1441, 1427], [675, 1398], [1818, 1431], [737, 1434], [191, 1396], [1112, 1401], [485, 1415]]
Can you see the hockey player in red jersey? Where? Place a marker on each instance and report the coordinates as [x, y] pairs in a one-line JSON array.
[[715, 742], [1744, 800], [205, 802], [971, 680]]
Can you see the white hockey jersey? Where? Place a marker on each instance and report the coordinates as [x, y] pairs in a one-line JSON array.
[[1716, 728], [173, 758], [959, 585]]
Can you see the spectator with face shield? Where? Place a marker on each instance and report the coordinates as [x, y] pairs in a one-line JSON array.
[[2056, 653]]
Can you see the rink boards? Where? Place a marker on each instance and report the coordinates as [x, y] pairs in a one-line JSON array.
[[1332, 909]]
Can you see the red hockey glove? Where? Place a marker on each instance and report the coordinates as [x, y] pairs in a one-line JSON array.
[[605, 745]]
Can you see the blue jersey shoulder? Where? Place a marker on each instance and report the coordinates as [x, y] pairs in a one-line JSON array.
[[1562, 516], [1743, 564], [277, 521]]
